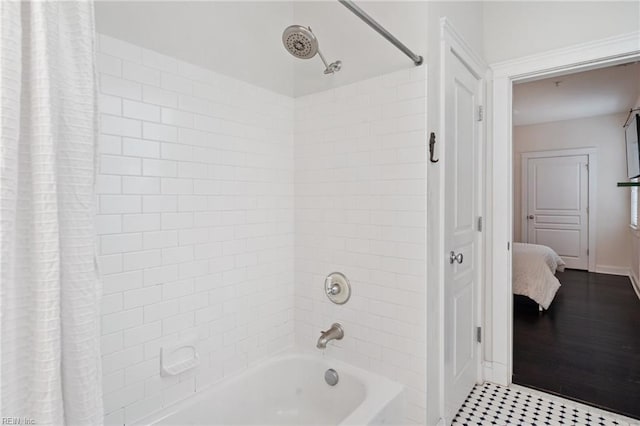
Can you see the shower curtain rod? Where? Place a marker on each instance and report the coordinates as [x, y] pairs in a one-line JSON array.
[[417, 60]]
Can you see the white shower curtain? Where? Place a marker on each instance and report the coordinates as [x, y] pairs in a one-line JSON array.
[[49, 293]]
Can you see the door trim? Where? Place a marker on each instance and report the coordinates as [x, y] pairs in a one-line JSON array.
[[451, 40], [581, 57], [591, 153]]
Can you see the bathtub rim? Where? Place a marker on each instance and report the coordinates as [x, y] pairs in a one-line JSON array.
[[379, 390]]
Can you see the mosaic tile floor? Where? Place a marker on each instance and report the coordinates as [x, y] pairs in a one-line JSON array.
[[490, 404]]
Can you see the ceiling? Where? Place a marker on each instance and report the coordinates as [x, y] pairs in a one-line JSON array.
[[243, 38], [363, 52], [586, 94], [239, 39]]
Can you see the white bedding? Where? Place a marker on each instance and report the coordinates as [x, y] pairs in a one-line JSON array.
[[534, 268]]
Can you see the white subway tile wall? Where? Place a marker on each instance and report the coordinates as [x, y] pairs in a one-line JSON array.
[[195, 224], [360, 185]]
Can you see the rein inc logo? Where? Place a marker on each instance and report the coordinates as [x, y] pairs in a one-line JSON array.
[[17, 421]]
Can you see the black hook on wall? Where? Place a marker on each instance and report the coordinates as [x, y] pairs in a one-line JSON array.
[[432, 142]]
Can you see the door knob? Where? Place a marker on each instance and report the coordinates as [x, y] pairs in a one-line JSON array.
[[531, 216], [453, 257]]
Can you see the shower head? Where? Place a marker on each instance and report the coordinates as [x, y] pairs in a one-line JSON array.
[[302, 43]]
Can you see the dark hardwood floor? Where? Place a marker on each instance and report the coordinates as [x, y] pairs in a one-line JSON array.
[[586, 347]]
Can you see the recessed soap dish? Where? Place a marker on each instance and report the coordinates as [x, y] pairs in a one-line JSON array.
[[178, 359], [337, 288]]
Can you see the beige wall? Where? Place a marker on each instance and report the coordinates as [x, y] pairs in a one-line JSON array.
[[605, 133]]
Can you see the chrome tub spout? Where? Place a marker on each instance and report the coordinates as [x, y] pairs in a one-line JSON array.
[[334, 333]]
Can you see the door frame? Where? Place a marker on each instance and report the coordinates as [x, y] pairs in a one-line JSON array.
[[582, 57], [591, 154], [451, 40]]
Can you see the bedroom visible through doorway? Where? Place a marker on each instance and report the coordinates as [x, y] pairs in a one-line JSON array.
[[573, 252]]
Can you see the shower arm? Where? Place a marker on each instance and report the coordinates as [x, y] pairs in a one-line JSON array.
[[329, 68], [417, 60], [332, 67], [324, 61]]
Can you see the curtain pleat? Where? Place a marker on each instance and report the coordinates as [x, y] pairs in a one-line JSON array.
[[50, 292]]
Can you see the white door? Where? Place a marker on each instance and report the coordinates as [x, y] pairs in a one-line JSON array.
[[462, 151], [557, 200]]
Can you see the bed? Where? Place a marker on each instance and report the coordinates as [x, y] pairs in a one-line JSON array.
[[534, 268]]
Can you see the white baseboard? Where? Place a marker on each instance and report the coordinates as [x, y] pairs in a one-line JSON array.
[[635, 284], [613, 270], [619, 270]]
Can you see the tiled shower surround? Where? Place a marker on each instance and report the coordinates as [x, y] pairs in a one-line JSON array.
[[360, 190], [196, 224], [198, 213]]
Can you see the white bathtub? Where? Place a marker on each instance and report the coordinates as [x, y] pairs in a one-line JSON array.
[[291, 390]]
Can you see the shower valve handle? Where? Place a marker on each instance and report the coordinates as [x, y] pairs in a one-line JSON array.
[[333, 290]]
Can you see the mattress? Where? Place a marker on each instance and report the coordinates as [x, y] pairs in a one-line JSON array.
[[534, 268]]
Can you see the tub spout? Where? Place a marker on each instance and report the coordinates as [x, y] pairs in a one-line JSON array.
[[334, 333]]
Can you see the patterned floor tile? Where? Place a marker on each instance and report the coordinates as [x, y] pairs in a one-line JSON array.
[[490, 404]]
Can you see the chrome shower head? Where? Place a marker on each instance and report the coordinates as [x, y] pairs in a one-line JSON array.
[[302, 43]]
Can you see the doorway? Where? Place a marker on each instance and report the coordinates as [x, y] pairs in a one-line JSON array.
[[499, 297], [576, 345]]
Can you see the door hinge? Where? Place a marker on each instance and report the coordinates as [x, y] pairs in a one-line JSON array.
[[480, 113], [587, 209], [508, 245], [587, 252], [479, 223], [479, 334], [587, 164]]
